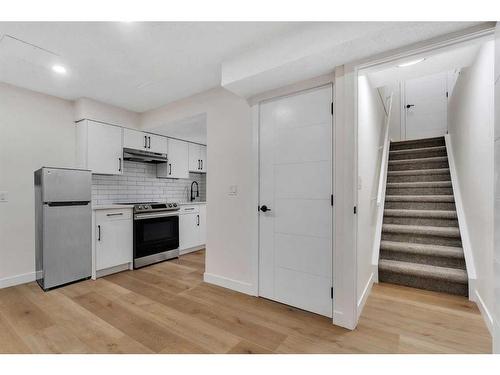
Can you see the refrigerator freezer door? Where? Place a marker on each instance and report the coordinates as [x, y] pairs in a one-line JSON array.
[[67, 254], [66, 185]]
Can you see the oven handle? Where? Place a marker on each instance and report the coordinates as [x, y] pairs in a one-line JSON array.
[[152, 216]]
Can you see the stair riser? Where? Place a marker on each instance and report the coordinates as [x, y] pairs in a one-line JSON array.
[[423, 259], [420, 205], [421, 221], [422, 238], [424, 283], [420, 191], [419, 144], [417, 155], [419, 178], [419, 165]]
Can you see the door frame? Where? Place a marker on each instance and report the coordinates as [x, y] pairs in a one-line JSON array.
[[285, 94], [350, 73]]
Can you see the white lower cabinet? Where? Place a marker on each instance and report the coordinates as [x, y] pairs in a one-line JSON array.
[[192, 228], [113, 241]]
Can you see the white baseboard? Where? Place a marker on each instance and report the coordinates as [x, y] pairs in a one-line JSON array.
[[488, 318], [17, 280], [365, 294], [191, 249], [232, 284]]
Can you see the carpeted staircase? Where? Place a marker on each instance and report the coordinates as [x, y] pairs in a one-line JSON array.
[[421, 245]]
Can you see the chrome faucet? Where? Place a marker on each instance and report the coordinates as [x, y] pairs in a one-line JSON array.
[[197, 191]]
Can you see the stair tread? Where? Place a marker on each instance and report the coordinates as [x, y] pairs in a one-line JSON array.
[[435, 214], [413, 141], [420, 198], [417, 150], [419, 171], [423, 249], [421, 230], [418, 160], [424, 184], [424, 270]]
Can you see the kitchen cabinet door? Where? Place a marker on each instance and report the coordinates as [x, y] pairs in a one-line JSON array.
[[177, 164], [134, 139], [157, 143], [194, 157], [188, 231], [114, 239], [202, 239], [203, 159], [103, 150]]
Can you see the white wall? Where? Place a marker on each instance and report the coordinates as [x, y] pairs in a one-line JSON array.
[[231, 250], [35, 130], [496, 264], [371, 121], [93, 110], [470, 125]]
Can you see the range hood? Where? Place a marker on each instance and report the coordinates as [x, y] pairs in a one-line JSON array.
[[143, 156]]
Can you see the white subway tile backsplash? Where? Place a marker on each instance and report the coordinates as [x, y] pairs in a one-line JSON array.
[[139, 184]]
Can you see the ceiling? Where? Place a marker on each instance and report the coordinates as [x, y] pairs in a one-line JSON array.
[[442, 61], [144, 65], [134, 65]]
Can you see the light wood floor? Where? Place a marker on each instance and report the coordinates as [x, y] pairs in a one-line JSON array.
[[166, 308]]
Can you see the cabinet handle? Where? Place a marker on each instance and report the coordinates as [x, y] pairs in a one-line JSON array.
[[201, 164], [116, 214], [98, 233], [198, 220], [149, 139], [145, 142], [170, 169], [120, 164]]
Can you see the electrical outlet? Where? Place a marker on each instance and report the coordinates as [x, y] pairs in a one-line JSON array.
[[4, 196], [233, 190]]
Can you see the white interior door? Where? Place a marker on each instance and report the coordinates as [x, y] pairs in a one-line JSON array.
[[426, 106], [295, 241]]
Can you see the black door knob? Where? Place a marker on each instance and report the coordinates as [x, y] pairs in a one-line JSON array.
[[264, 208], [408, 106]]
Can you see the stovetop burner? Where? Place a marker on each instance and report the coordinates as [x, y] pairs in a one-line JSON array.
[[154, 206]]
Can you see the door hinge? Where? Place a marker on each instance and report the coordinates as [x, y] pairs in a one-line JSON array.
[[355, 210], [331, 292], [331, 199], [331, 108]]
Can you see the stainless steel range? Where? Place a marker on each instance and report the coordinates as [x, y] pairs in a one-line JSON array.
[[156, 232]]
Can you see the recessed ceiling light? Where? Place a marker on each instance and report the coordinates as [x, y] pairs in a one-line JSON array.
[[412, 62], [59, 69]]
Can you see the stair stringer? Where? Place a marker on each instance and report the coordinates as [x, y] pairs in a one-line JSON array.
[[462, 222]]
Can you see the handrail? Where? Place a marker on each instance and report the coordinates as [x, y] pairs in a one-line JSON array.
[[385, 156]]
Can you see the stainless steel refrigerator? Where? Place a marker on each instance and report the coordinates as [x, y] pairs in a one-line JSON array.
[[63, 220]]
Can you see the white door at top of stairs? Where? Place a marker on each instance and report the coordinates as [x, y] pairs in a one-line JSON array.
[[295, 222], [425, 106]]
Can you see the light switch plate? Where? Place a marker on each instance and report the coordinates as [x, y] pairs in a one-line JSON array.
[[4, 196]]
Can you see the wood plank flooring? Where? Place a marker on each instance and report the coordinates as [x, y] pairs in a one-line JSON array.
[[167, 308]]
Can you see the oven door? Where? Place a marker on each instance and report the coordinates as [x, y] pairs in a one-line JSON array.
[[155, 233]]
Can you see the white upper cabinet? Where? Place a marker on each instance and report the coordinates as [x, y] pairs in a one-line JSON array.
[[134, 139], [99, 147], [177, 165], [144, 141], [197, 158], [157, 143]]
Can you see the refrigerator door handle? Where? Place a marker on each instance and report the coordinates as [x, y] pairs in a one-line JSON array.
[[70, 203]]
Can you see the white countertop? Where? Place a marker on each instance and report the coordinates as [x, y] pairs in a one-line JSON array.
[[111, 206], [191, 203]]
